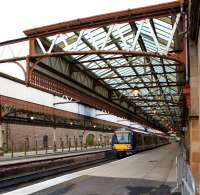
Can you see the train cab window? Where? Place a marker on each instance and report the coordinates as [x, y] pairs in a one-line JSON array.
[[124, 137]]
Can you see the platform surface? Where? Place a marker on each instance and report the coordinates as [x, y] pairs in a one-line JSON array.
[[147, 173]]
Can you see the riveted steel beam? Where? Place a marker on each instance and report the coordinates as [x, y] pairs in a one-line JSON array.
[[154, 11], [141, 75], [18, 111], [134, 66], [78, 91], [155, 86]]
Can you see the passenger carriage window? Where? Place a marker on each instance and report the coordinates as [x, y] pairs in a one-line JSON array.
[[145, 142], [139, 139], [148, 140]]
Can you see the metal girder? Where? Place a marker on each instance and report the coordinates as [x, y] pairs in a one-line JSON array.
[[107, 19], [106, 62], [175, 57], [155, 86], [88, 97], [148, 74], [155, 100], [73, 73], [130, 64], [155, 106], [155, 37], [163, 114], [143, 47], [22, 112], [150, 82], [134, 66]]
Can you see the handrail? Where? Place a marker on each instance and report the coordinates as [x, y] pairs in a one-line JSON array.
[[187, 187], [185, 180]]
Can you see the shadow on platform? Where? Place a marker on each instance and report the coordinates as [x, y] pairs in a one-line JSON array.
[[93, 185]]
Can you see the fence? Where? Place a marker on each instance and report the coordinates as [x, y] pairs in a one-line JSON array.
[[185, 180], [59, 147]]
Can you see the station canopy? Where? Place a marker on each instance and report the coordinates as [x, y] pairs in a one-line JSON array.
[[136, 55]]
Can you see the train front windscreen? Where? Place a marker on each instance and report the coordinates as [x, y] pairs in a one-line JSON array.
[[122, 137]]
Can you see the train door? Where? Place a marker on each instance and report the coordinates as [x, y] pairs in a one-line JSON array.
[[135, 141], [142, 135], [139, 142]]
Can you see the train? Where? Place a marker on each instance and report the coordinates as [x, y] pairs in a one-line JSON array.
[[127, 141]]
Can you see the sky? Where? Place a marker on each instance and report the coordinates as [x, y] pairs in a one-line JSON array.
[[19, 15]]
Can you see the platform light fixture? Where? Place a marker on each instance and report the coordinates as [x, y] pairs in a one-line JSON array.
[[32, 118], [154, 111], [135, 91]]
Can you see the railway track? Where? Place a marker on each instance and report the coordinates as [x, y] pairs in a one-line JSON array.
[[11, 175]]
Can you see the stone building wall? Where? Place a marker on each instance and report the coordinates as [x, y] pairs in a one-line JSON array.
[[18, 134]]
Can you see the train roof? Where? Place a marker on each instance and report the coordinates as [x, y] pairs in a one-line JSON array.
[[126, 129]]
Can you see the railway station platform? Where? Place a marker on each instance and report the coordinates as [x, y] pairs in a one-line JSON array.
[[149, 172], [49, 156]]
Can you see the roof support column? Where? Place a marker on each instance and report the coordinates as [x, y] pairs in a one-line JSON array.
[[32, 51], [194, 122], [1, 140], [1, 132]]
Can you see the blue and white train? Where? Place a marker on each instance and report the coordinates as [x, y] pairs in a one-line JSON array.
[[127, 141]]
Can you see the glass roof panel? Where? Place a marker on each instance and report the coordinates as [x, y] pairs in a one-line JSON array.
[[130, 71]]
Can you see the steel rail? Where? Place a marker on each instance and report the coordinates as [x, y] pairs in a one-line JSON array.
[[32, 175]]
